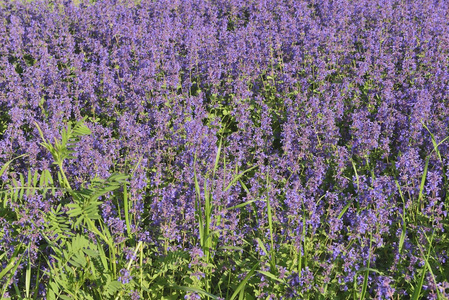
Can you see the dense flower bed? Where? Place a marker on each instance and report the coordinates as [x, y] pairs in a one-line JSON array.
[[337, 109]]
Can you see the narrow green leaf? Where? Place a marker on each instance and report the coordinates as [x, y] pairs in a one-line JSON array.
[[435, 145], [423, 181], [238, 177], [269, 275], [356, 175], [28, 276], [40, 132], [242, 285], [15, 264], [7, 268], [35, 178], [429, 267], [404, 220], [242, 204], [262, 246], [5, 166], [370, 270], [217, 158], [194, 290], [367, 269], [417, 290], [126, 207], [344, 210], [232, 248]]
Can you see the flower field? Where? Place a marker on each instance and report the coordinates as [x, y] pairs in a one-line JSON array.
[[224, 149]]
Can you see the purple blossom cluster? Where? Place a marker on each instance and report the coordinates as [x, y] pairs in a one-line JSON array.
[[338, 103]]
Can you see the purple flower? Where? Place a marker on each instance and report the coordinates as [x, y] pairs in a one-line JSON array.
[[125, 276]]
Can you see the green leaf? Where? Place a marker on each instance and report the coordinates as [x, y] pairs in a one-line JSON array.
[[7, 268], [344, 210], [242, 285], [269, 275], [369, 270], [194, 290], [242, 204], [112, 287], [232, 248], [423, 181], [238, 177]]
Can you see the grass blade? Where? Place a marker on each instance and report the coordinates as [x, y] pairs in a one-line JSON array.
[[423, 181], [217, 158], [238, 177], [242, 285], [6, 165], [270, 225], [194, 290], [126, 208], [417, 291], [367, 270], [268, 274], [28, 276], [344, 210]]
